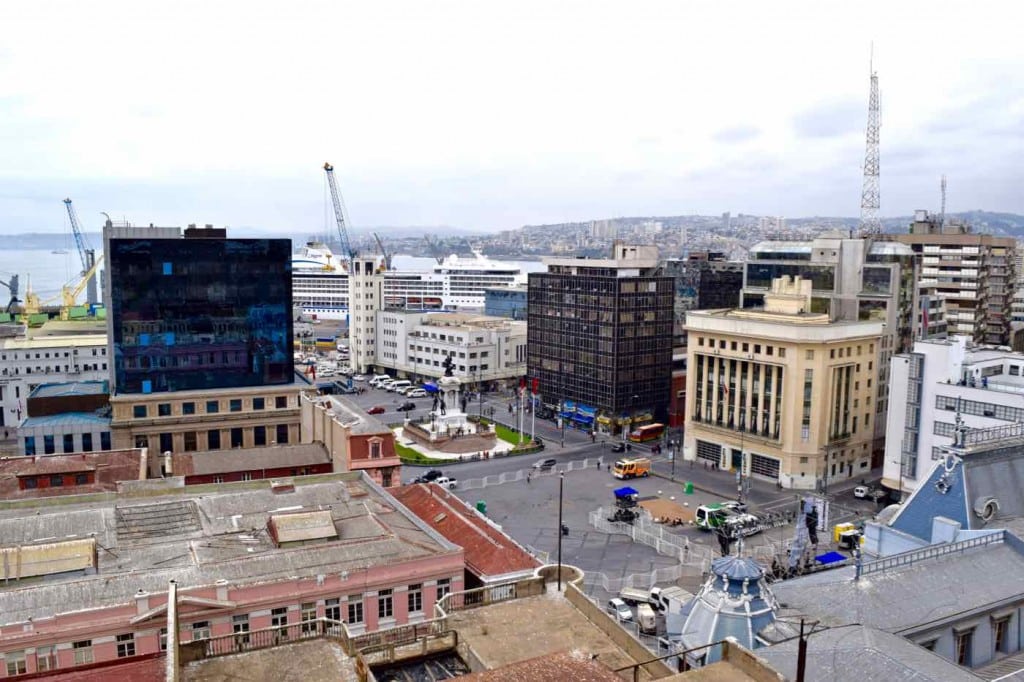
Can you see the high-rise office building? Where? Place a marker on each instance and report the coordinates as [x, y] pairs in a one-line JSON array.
[[600, 338], [974, 274], [200, 332]]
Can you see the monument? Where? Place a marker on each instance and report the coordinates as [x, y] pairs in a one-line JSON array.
[[447, 418]]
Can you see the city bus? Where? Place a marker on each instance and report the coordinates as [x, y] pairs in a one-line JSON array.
[[646, 433]]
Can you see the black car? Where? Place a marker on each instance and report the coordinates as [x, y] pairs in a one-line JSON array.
[[431, 475], [619, 447], [406, 406], [545, 464]]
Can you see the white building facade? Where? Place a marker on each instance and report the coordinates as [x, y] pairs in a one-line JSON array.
[[483, 348], [28, 360], [930, 386]]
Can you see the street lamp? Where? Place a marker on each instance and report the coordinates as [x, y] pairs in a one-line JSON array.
[[561, 482]]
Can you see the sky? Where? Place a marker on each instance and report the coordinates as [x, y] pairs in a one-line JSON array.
[[490, 114]]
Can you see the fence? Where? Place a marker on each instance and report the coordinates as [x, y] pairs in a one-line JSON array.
[[613, 585], [654, 535], [908, 558], [521, 474]]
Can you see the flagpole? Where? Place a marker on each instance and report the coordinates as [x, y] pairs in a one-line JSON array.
[[533, 417], [522, 392]]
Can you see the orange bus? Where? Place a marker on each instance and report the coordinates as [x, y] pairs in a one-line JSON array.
[[646, 433]]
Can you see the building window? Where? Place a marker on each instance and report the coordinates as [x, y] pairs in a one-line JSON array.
[[240, 626], [139, 411], [415, 595], [48, 446], [218, 479], [235, 405], [188, 408], [83, 651], [105, 440], [246, 475], [163, 639], [1000, 628], [258, 403], [126, 645], [375, 449], [16, 663], [279, 619], [191, 441], [46, 658], [308, 610], [355, 610], [236, 437], [212, 407], [201, 630], [963, 639], [163, 410], [385, 604], [86, 442], [57, 480], [281, 401], [332, 610], [166, 442], [30, 445], [444, 587], [809, 355], [213, 439], [69, 443], [259, 435], [81, 479], [30, 483], [282, 433]]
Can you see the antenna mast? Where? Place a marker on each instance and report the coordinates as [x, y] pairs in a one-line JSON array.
[[870, 225], [942, 213]]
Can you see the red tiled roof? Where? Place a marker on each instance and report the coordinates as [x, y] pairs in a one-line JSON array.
[[489, 552], [110, 466]]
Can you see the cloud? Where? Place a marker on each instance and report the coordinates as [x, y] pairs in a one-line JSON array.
[[832, 120], [736, 134]]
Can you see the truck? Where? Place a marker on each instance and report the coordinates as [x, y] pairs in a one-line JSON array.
[[646, 619], [726, 514], [632, 468], [635, 596], [662, 598]]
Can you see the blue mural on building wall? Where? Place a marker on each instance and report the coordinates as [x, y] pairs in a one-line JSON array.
[[200, 313]]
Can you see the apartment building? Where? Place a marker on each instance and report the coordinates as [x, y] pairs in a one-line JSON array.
[[484, 349], [974, 274], [932, 387], [600, 337], [852, 280], [780, 392]]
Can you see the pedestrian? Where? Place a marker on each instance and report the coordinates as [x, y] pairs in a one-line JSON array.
[[528, 474]]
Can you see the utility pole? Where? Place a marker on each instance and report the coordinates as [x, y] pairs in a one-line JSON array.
[[870, 198], [561, 483]]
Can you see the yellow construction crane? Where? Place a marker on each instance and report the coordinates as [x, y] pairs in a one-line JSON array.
[[70, 294]]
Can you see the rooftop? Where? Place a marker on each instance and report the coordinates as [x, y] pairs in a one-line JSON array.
[[906, 595], [248, 459], [203, 534], [66, 420], [856, 653], [110, 466], [318, 660], [490, 554], [350, 416], [70, 388]]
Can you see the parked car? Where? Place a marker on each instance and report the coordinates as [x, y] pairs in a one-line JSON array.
[[416, 393], [431, 475], [348, 390], [406, 406], [620, 610], [445, 482], [545, 464], [376, 409], [358, 377], [862, 491], [619, 447]]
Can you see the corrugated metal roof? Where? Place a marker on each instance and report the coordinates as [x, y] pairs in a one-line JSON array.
[[67, 419], [248, 459], [70, 388]]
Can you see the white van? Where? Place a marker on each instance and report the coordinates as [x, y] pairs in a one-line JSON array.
[[399, 386], [377, 378]]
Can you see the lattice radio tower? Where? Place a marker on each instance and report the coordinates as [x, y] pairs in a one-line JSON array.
[[870, 200]]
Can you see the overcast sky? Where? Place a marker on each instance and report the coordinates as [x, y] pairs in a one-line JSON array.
[[489, 115]]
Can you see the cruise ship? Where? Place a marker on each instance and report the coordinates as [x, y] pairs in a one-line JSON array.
[[320, 283]]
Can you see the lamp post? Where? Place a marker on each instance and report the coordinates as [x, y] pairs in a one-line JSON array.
[[561, 482]]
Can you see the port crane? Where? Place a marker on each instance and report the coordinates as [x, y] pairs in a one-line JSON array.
[[12, 286], [85, 253], [383, 251], [347, 252]]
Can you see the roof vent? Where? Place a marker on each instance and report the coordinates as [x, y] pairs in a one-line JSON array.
[[280, 488], [440, 517], [986, 508]]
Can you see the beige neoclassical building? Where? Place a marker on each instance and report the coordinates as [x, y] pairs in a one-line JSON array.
[[779, 392]]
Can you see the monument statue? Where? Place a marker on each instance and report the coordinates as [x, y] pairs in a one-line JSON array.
[[448, 365]]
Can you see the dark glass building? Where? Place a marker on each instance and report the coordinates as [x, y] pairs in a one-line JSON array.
[[600, 338], [200, 313]]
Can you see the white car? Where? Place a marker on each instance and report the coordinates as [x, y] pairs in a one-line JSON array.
[[445, 482], [416, 393], [620, 610], [358, 377]]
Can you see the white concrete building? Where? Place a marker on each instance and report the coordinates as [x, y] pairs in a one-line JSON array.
[[930, 386], [483, 348], [50, 354], [366, 296]]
